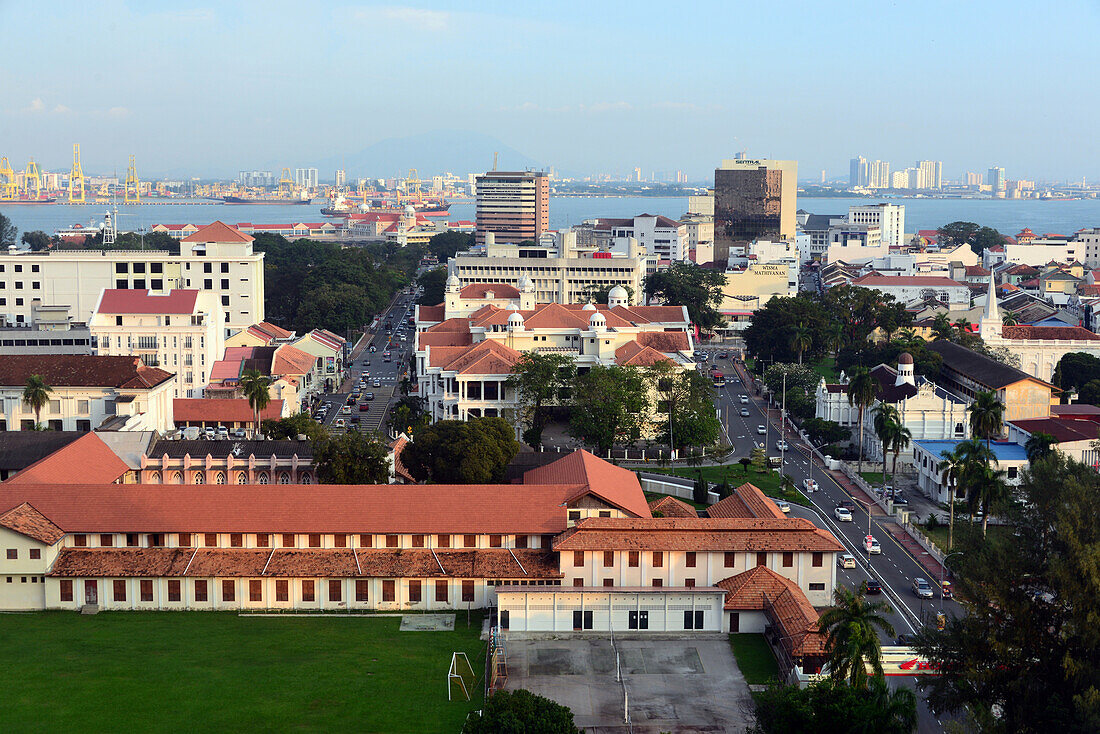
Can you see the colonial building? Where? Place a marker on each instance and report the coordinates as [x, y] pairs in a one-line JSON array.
[[966, 373], [228, 462]]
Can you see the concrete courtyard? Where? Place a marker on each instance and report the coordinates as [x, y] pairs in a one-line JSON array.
[[679, 686]]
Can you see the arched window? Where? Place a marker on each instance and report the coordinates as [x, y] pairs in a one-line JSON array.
[[262, 479], [305, 478], [154, 478], [219, 478], [177, 478], [284, 478], [200, 478], [242, 478]]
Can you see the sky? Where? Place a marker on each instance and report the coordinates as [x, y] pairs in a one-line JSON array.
[[209, 88]]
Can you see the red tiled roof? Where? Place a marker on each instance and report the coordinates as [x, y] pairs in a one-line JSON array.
[[613, 484], [480, 290], [488, 357], [273, 331], [1063, 429], [910, 280], [221, 410], [748, 589], [443, 339], [452, 325], [671, 507], [290, 360], [1061, 333], [130, 301], [79, 370], [534, 509], [396, 447], [86, 459], [664, 341], [430, 313], [972, 270], [218, 232], [27, 521], [633, 353], [746, 501], [669, 534], [1075, 409]]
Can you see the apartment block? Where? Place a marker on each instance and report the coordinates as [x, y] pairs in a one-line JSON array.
[[513, 205]]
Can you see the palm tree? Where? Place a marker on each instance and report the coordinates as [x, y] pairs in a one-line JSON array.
[[851, 627], [896, 709], [836, 340], [963, 325], [862, 391], [1009, 319], [906, 337], [886, 421], [36, 394], [942, 326], [899, 441], [986, 416], [952, 466], [255, 388], [971, 464], [1039, 446], [801, 340], [988, 487]]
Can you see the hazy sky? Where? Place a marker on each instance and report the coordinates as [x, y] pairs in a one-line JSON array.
[[586, 86]]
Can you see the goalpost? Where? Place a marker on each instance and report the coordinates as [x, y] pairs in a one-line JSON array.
[[460, 676]]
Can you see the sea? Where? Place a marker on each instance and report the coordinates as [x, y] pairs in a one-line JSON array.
[[1007, 216]]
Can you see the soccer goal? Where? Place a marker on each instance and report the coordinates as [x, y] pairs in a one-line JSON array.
[[460, 677]]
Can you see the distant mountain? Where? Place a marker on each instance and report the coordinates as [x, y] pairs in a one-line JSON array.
[[439, 151]]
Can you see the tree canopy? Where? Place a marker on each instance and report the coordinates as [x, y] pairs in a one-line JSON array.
[[445, 244], [687, 284], [969, 233], [37, 240], [609, 405], [299, 424], [8, 231], [1074, 373], [802, 384], [475, 451], [831, 707], [351, 458], [539, 380], [434, 283], [520, 712], [690, 398]]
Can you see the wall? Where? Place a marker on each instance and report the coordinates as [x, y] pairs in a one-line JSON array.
[[553, 611], [22, 579]]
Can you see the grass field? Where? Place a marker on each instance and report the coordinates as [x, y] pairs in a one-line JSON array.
[[150, 671], [963, 529], [754, 658], [768, 483]]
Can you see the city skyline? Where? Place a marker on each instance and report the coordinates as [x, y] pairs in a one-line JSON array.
[[197, 90]]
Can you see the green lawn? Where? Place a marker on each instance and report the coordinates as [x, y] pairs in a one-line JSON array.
[[754, 658], [963, 528], [165, 671], [874, 478], [826, 367], [768, 483]]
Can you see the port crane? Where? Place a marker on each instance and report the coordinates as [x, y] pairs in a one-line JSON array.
[[286, 183], [76, 178], [32, 175], [7, 180], [132, 193]]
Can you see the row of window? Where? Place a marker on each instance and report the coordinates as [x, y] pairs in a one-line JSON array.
[[201, 590], [633, 558], [53, 425], [291, 540], [35, 285], [13, 554], [263, 477], [19, 268], [42, 342]]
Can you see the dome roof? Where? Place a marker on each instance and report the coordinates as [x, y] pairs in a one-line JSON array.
[[589, 307], [524, 282], [617, 292], [515, 318], [597, 319], [905, 358], [452, 281]]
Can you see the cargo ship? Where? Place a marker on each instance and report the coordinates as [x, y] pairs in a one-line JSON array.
[[340, 208], [27, 201], [284, 202]]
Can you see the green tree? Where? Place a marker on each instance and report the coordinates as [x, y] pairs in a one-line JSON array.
[[37, 240], [862, 393], [409, 415], [520, 712], [475, 451], [1039, 446], [801, 340], [597, 293], [899, 441], [351, 458], [823, 432], [434, 283], [1075, 370], [956, 233], [8, 231], [701, 489], [36, 393], [759, 458], [851, 627], [831, 707], [687, 284], [886, 421], [771, 336], [690, 398], [745, 463], [1023, 656], [802, 381], [445, 244], [609, 406], [289, 428], [256, 388], [986, 416], [941, 324], [539, 379], [1009, 319]]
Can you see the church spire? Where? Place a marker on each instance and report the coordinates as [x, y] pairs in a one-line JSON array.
[[991, 318]]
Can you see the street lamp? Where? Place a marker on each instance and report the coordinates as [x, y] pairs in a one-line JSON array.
[[943, 570]]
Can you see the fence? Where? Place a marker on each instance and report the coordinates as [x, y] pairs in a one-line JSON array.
[[621, 680], [682, 489]]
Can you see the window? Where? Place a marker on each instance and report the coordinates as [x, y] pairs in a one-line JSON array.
[[391, 541], [443, 541], [255, 590], [225, 284], [335, 592], [689, 559], [609, 582], [200, 590], [118, 590], [263, 540], [608, 559], [156, 267], [762, 559], [309, 590], [658, 559], [417, 541], [131, 540], [208, 267], [236, 540], [467, 590], [414, 592], [361, 586], [728, 559], [66, 589], [156, 540], [521, 541], [389, 590], [225, 300], [693, 620], [632, 559], [582, 619], [788, 559], [817, 559], [208, 284], [36, 554], [578, 582], [156, 284], [229, 590], [174, 590], [314, 540], [818, 586], [578, 559], [638, 620], [340, 540], [80, 540], [690, 583], [210, 540], [282, 590], [441, 591], [1013, 472], [574, 515], [145, 590], [288, 540], [225, 267], [118, 321], [658, 582], [495, 541], [469, 541], [366, 541]]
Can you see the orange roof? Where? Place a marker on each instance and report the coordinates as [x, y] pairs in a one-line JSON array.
[[613, 484], [96, 462], [443, 339], [761, 588], [275, 332], [664, 341], [26, 520], [670, 534], [671, 507], [480, 290], [746, 501], [633, 353], [1059, 333], [431, 313], [80, 370], [290, 360], [748, 589], [484, 358], [218, 232], [397, 446], [132, 301], [221, 410]]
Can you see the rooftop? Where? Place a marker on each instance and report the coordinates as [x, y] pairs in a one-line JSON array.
[[131, 301], [80, 370], [1003, 450]]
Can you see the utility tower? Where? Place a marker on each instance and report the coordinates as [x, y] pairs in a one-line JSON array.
[[32, 175], [132, 193], [76, 178], [7, 180]]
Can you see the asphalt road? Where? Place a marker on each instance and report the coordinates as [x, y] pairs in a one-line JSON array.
[[895, 567]]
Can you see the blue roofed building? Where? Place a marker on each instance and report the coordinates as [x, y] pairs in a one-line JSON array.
[[927, 456]]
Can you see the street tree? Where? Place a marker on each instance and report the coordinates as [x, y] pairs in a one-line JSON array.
[[986, 416], [446, 244], [475, 451], [540, 380], [900, 439], [37, 240], [409, 415], [434, 283], [851, 627], [831, 707], [771, 336], [862, 393], [351, 458], [289, 428], [689, 397], [886, 420], [36, 393], [8, 232], [610, 405], [256, 389], [1039, 445], [687, 284], [823, 432], [801, 387], [801, 340]]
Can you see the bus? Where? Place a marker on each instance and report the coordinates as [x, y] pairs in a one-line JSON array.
[[719, 379]]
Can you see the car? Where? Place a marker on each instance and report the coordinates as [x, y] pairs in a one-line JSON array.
[[784, 507], [874, 587], [339, 423], [782, 445], [723, 355], [809, 485], [703, 357], [872, 546], [239, 433], [847, 505], [899, 499], [744, 412], [223, 433], [922, 588], [368, 396], [209, 433], [366, 362], [377, 383], [386, 358], [761, 430], [364, 406], [846, 561], [346, 410], [743, 398], [372, 350], [842, 514]]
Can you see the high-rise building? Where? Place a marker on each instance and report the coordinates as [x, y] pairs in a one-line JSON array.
[[341, 177], [637, 174], [858, 174], [256, 178], [514, 205], [931, 174], [899, 179], [305, 178], [889, 218], [753, 199], [973, 178], [995, 178], [879, 175]]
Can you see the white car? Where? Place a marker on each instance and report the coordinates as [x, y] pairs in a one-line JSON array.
[[339, 423], [847, 561], [872, 546], [842, 514], [761, 430], [809, 485], [782, 445], [784, 507], [346, 410], [744, 399]]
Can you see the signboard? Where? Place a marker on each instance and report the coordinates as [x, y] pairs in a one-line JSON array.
[[899, 660]]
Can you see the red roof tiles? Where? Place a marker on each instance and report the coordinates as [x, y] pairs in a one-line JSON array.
[[746, 501], [79, 370], [613, 484], [671, 507], [26, 520], [1057, 333], [96, 461], [481, 290], [218, 232], [670, 534], [221, 410], [130, 301]]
